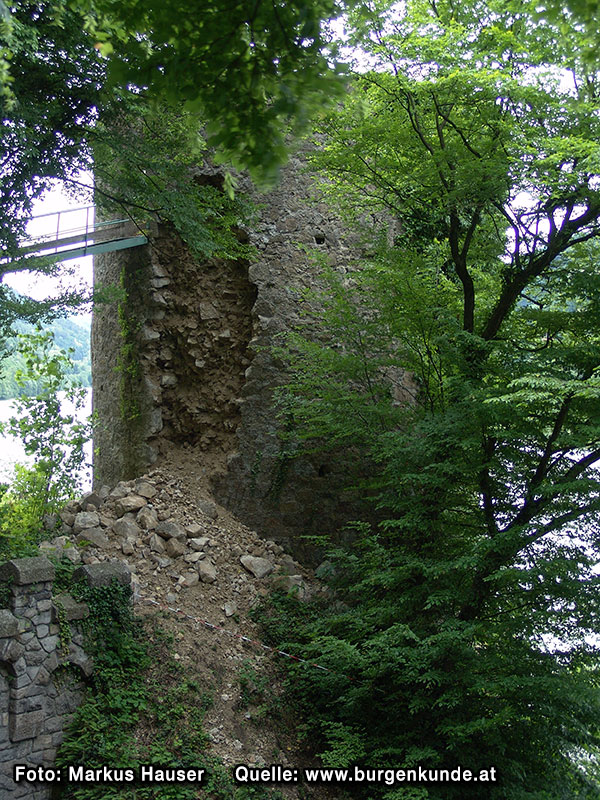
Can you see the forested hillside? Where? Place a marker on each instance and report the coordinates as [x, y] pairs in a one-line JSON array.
[[68, 335]]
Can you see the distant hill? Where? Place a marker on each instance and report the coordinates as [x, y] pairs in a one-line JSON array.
[[67, 334]]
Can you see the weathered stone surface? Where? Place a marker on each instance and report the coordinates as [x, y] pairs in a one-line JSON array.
[[147, 518], [73, 554], [25, 726], [170, 530], [71, 608], [145, 489], [78, 658], [259, 567], [50, 521], [207, 310], [91, 498], [189, 579], [9, 625], [24, 571], [157, 544], [103, 574], [132, 502], [127, 528], [199, 543], [174, 548], [208, 508], [95, 536], [50, 643], [85, 520], [207, 571], [192, 558], [194, 529], [119, 491]]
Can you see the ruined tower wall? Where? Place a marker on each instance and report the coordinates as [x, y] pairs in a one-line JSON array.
[[200, 374]]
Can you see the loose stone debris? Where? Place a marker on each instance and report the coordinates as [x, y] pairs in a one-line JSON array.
[[193, 555]]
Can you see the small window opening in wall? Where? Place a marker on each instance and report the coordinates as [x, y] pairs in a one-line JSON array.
[[319, 238]]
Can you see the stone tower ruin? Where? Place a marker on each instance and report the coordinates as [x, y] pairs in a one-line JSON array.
[[182, 370]]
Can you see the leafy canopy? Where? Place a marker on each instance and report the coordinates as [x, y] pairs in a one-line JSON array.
[[462, 367], [247, 69]]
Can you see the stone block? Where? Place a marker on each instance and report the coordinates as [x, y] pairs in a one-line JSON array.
[[50, 643], [259, 567], [25, 726], [147, 518], [206, 571], [95, 536], [36, 658], [170, 530], [34, 702], [103, 574], [145, 489], [127, 528], [25, 571], [53, 724], [70, 607], [11, 650], [132, 502], [174, 548], [9, 625], [85, 520]]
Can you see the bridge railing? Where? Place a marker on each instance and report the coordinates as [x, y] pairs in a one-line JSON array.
[[74, 232]]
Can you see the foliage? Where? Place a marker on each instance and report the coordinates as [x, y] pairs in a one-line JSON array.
[[247, 69], [51, 436], [132, 93], [461, 364], [68, 335], [140, 709], [146, 165], [50, 99]]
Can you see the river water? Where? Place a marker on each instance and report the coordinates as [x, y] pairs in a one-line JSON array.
[[12, 451]]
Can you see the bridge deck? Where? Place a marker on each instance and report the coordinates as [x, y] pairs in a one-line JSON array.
[[73, 233]]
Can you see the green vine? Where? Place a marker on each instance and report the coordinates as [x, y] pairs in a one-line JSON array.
[[5, 592], [64, 629], [128, 363]]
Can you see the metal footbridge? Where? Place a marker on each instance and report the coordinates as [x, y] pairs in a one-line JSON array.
[[74, 233]]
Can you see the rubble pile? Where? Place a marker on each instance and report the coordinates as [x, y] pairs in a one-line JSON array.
[[188, 554]]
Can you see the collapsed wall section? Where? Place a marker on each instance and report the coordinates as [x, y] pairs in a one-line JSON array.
[[183, 370], [168, 356]]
